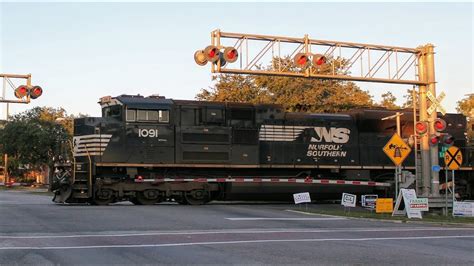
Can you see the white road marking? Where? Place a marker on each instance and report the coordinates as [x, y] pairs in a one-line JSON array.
[[283, 219], [309, 213], [238, 242], [245, 231]]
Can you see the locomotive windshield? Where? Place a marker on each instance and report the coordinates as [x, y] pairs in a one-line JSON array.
[[114, 111]]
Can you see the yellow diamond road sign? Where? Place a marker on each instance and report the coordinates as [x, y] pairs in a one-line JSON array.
[[396, 149], [453, 158]]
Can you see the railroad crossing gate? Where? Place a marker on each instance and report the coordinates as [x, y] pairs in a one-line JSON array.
[[436, 103], [453, 158], [396, 149]]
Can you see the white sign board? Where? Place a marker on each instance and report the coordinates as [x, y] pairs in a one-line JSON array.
[[348, 200], [465, 209], [368, 201], [302, 197], [420, 204], [406, 195]]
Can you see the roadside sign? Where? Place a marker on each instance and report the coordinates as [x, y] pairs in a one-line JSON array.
[[436, 168], [406, 195], [368, 201], [453, 158], [348, 200], [384, 205], [436, 103], [396, 149], [465, 209], [302, 197], [420, 204]]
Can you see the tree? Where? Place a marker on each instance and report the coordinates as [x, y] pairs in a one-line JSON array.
[[388, 101], [466, 107], [409, 99], [295, 94], [31, 138]]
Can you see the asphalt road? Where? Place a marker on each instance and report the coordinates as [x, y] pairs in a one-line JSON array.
[[33, 230]]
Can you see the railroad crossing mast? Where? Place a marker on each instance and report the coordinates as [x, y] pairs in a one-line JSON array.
[[347, 61]]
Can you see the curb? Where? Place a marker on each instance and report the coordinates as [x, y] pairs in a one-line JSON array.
[[393, 221]]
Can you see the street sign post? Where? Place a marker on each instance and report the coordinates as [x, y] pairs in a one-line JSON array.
[[397, 150], [453, 160]]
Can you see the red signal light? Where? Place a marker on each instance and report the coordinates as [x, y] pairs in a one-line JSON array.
[[448, 140], [212, 53], [319, 60], [36, 92], [439, 124], [230, 54], [421, 127], [21, 91], [434, 140], [301, 60]]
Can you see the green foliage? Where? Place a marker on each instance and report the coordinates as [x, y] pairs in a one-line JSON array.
[[388, 101], [295, 94], [31, 138], [466, 107]]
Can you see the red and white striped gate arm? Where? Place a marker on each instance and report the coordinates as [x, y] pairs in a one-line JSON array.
[[267, 180]]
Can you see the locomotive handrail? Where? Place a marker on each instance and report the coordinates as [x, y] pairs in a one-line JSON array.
[[71, 146], [89, 192]]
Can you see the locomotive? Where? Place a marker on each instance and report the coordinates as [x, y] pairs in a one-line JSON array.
[[152, 149]]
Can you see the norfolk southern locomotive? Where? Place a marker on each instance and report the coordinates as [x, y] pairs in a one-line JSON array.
[[152, 149]]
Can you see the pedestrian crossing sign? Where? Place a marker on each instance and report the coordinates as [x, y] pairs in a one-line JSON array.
[[396, 149]]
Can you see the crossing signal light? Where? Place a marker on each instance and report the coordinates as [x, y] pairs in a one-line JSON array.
[[434, 140], [439, 124], [319, 60], [21, 91], [36, 92], [212, 53], [301, 60], [230, 54], [200, 58], [421, 127], [448, 140]]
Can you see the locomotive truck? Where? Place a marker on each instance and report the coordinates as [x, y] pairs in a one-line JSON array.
[[152, 149]]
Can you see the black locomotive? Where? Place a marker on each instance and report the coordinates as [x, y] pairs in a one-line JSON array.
[[152, 149]]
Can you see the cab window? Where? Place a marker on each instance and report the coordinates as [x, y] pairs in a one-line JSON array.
[[161, 116], [114, 111]]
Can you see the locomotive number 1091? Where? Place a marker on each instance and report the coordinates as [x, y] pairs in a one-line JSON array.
[[147, 133]]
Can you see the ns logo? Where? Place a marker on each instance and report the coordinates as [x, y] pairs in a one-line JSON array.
[[333, 134]]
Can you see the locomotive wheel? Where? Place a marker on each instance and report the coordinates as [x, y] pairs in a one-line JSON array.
[[103, 197], [147, 197], [197, 197]]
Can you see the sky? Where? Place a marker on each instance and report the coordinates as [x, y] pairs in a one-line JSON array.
[[79, 52]]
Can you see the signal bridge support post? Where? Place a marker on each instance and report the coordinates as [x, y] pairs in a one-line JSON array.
[[430, 75]]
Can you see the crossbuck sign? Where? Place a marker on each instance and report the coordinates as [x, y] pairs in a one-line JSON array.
[[436, 103]]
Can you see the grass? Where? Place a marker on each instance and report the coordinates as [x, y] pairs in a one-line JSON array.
[[362, 213]]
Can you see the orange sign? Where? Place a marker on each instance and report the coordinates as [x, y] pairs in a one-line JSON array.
[[384, 205], [453, 158], [396, 149]]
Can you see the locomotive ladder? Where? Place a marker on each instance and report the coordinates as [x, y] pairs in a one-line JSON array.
[[82, 181], [80, 187]]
